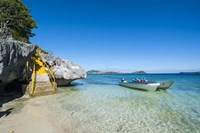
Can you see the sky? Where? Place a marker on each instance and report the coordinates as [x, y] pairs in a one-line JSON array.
[[121, 35]]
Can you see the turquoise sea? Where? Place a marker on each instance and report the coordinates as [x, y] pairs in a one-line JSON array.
[[98, 104]]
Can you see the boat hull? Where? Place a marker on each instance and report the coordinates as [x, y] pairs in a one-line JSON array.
[[165, 84], [140, 86]]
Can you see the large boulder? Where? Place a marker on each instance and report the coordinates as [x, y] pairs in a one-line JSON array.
[[64, 70], [13, 57]]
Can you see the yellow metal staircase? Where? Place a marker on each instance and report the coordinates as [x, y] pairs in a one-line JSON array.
[[42, 78], [49, 72]]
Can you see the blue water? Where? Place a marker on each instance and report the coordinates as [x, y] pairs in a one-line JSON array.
[[99, 104]]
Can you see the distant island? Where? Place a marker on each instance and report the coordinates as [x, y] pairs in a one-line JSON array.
[[139, 72], [136, 72], [112, 72], [102, 72], [189, 72]]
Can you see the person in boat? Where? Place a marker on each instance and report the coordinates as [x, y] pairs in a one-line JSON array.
[[123, 80], [136, 79], [139, 80]]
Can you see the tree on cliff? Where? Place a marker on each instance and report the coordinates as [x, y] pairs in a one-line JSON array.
[[15, 20]]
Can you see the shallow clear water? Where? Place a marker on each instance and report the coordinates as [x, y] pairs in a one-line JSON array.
[[99, 104]]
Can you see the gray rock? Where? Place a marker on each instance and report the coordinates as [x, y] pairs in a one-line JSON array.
[[64, 70], [13, 57]]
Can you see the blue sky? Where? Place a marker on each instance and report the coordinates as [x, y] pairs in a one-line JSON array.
[[124, 35]]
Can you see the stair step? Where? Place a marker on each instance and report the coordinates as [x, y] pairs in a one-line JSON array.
[[41, 88]]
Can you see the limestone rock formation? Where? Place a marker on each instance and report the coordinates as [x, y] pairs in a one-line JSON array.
[[64, 70], [13, 57]]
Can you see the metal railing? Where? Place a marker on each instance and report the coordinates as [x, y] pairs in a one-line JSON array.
[[47, 68], [33, 80]]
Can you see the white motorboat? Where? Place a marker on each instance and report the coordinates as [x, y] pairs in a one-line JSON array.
[[146, 84], [165, 84], [140, 84]]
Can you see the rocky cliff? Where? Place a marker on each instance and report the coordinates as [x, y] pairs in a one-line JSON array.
[[64, 70], [13, 57]]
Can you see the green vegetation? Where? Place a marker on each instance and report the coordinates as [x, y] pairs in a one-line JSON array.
[[15, 20]]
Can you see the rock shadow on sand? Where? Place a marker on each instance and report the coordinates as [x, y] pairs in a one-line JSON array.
[[12, 92]]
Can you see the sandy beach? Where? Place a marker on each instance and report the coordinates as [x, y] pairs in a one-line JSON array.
[[27, 116]]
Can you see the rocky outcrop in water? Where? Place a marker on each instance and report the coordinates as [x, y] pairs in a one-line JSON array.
[[64, 70], [13, 57]]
